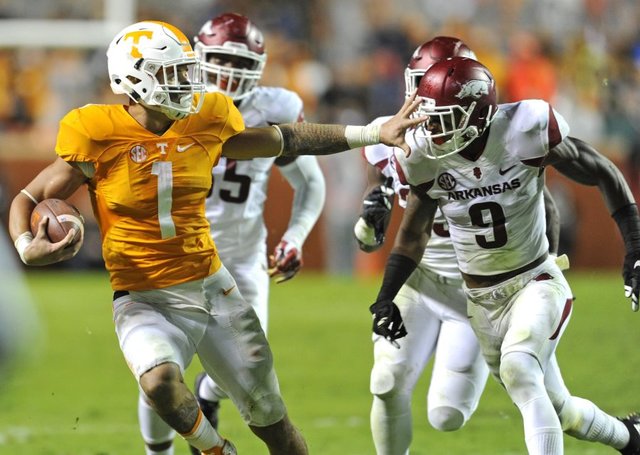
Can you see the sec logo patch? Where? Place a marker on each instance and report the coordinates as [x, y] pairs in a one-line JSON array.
[[138, 154], [446, 181]]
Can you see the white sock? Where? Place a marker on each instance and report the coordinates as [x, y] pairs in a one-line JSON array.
[[203, 436], [542, 431], [209, 390], [391, 426], [153, 428], [584, 420], [523, 378]]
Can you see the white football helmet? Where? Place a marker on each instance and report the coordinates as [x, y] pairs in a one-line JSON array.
[[231, 49], [154, 64]]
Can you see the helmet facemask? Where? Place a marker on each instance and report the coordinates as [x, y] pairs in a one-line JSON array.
[[447, 128], [178, 90], [231, 69], [412, 80]]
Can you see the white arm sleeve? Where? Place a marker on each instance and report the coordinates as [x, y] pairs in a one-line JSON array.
[[306, 178]]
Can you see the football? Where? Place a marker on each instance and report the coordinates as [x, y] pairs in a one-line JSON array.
[[62, 218]]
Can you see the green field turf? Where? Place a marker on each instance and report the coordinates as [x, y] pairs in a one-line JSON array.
[[77, 397]]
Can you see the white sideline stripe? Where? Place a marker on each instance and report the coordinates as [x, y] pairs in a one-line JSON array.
[[24, 433], [330, 422]]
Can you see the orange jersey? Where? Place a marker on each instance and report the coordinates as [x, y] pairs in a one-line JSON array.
[[148, 191]]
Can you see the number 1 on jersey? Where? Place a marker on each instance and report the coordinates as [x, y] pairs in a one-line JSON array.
[[164, 171]]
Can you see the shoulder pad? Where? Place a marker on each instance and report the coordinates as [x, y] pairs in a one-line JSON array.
[[415, 168], [214, 103], [277, 105], [96, 121], [378, 155], [530, 129]]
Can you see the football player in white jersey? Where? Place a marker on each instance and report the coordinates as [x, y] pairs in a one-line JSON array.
[[432, 301], [483, 165], [232, 53]]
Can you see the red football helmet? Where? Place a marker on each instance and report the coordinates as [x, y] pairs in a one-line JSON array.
[[231, 50], [428, 53], [459, 97]]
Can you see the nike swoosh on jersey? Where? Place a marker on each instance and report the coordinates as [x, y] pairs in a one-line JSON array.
[[502, 172], [226, 292], [184, 148]]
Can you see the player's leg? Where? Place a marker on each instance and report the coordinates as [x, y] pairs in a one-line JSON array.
[[252, 279], [582, 419], [459, 370], [157, 346], [537, 318], [458, 378], [518, 324], [234, 351], [396, 371], [156, 433]]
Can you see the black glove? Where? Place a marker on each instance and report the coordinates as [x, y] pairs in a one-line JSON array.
[[628, 221], [631, 277], [376, 209], [387, 321]]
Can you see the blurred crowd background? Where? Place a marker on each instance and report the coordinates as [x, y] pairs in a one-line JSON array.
[[346, 60]]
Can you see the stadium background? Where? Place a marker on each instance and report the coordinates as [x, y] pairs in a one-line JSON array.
[[346, 61], [73, 394]]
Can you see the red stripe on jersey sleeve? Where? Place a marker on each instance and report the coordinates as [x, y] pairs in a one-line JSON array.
[[400, 172], [553, 130]]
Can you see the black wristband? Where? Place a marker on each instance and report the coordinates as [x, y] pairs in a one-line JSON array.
[[398, 269], [628, 222]]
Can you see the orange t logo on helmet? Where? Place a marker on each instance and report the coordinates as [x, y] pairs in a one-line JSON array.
[[136, 35]]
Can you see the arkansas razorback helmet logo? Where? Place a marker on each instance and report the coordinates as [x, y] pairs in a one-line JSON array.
[[473, 89]]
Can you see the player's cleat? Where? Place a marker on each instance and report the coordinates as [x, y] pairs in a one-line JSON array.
[[210, 411], [632, 422]]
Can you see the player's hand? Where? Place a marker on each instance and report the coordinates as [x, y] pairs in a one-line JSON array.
[[376, 208], [631, 276], [42, 252], [285, 261], [387, 321], [392, 132]]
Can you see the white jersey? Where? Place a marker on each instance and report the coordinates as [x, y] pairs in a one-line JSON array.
[[236, 204], [439, 256], [494, 205]]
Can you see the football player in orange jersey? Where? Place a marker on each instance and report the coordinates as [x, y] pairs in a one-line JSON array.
[[232, 53], [147, 166]]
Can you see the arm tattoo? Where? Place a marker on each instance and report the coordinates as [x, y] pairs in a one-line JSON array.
[[183, 418], [312, 139]]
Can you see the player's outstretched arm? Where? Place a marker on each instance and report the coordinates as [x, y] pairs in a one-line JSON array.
[[293, 139], [581, 162]]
